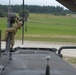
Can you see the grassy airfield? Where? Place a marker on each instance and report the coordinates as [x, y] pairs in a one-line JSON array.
[[47, 27]]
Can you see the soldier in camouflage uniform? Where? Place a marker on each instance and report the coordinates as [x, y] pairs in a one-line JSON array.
[[17, 25]]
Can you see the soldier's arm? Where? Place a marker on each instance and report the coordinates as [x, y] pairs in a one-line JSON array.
[[19, 22]]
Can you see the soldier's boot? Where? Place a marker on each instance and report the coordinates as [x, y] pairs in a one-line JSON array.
[[12, 44]]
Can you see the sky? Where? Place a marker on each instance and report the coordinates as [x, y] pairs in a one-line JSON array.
[[32, 2]]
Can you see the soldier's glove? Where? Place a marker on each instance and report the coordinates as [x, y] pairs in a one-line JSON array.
[[20, 19]]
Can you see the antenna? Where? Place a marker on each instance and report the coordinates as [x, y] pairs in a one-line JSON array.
[[9, 2], [23, 25]]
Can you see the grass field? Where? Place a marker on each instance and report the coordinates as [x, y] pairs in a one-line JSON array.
[[71, 60], [46, 27]]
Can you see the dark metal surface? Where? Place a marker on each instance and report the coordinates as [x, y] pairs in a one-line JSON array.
[[33, 62], [23, 24], [9, 25], [66, 47], [0, 43], [8, 43], [71, 4]]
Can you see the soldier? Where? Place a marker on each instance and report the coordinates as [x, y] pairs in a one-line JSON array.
[[17, 25]]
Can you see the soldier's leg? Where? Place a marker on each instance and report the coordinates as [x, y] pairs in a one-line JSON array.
[[11, 30], [5, 35], [12, 40]]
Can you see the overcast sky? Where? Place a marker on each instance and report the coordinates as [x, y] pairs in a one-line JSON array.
[[32, 2]]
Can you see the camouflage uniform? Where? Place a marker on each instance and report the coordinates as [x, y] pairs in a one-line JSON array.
[[13, 31]]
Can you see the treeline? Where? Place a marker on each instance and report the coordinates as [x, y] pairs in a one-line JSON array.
[[37, 9]]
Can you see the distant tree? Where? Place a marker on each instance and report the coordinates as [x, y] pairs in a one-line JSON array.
[[38, 9], [26, 14], [63, 13], [2, 14]]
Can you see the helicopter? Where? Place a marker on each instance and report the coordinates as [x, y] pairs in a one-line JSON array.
[[35, 61]]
